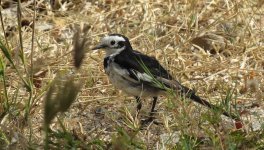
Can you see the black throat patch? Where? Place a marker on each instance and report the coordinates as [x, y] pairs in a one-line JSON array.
[[106, 62]]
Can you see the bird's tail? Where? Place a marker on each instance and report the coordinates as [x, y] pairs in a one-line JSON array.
[[175, 85], [191, 94]]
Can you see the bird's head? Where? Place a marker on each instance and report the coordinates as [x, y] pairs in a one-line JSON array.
[[113, 44]]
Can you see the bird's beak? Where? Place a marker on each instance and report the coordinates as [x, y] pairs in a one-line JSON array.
[[99, 46]]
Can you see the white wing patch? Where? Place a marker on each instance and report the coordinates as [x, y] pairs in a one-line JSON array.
[[144, 77], [126, 74]]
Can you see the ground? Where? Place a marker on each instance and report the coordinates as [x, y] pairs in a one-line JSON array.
[[55, 94]]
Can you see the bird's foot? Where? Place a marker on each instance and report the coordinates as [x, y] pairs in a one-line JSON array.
[[149, 120]]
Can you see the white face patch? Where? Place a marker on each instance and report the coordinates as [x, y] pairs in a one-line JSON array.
[[113, 51], [112, 44]]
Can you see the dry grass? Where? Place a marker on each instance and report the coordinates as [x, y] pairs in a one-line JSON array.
[[215, 47]]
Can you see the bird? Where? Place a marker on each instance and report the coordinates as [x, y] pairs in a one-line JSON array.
[[142, 76]]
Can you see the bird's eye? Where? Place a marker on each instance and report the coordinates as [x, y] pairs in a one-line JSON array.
[[112, 42]]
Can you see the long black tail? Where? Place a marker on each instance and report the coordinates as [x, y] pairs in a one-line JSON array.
[[174, 84], [191, 94]]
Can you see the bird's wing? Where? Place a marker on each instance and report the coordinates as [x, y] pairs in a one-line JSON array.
[[145, 69], [150, 64]]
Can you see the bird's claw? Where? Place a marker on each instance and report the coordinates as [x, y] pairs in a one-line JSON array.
[[149, 120]]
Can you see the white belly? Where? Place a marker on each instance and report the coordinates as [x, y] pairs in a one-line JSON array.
[[117, 77]]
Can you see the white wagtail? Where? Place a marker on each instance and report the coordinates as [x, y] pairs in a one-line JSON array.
[[140, 75]]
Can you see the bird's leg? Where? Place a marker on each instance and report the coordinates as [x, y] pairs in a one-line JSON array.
[[152, 112], [139, 103]]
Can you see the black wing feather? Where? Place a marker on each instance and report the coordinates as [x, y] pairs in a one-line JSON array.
[[134, 60]]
